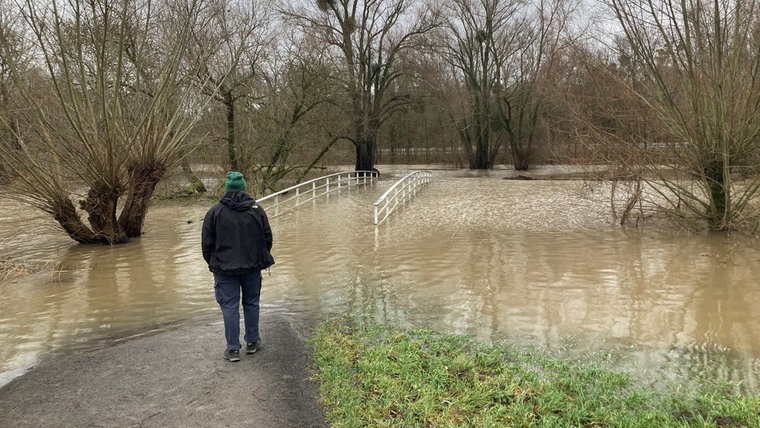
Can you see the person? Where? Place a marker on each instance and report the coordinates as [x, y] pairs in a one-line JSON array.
[[236, 241]]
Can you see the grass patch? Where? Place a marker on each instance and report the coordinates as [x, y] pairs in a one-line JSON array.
[[382, 376]]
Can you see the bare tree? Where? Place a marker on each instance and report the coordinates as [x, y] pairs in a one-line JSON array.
[[228, 46], [504, 54], [423, 133], [368, 35], [120, 116], [612, 124], [530, 75], [296, 118], [481, 36], [700, 66], [16, 51]]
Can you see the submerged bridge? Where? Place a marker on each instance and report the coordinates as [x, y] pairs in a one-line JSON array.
[[400, 192]]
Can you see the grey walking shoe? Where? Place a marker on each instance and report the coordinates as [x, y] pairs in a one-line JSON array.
[[232, 355], [252, 347]]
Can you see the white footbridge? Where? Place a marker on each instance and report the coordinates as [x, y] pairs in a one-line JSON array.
[[400, 192]]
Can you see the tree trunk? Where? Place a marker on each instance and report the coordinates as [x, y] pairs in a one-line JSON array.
[[481, 133], [196, 184], [719, 193], [143, 181], [482, 160], [365, 143], [100, 206], [66, 215], [519, 159], [482, 146], [365, 154], [229, 104], [520, 119]]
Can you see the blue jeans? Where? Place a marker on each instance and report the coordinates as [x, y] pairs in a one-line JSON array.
[[227, 289]]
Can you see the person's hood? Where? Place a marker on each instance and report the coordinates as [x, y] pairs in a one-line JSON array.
[[237, 200]]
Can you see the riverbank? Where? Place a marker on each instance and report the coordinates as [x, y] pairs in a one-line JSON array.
[[176, 378], [380, 375]]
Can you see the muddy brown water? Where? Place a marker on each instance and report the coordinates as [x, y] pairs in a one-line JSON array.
[[538, 263]]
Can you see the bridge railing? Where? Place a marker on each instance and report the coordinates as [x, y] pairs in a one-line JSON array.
[[291, 198], [402, 190]]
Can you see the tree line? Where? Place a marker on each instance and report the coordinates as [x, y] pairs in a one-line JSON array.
[[99, 99]]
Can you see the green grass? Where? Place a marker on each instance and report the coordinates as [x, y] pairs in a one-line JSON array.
[[381, 376]]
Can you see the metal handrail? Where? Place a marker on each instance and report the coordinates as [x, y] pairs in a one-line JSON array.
[[310, 190], [406, 187]]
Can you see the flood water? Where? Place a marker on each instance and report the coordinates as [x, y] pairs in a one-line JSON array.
[[538, 263]]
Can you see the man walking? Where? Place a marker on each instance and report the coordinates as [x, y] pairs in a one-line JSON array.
[[236, 241]]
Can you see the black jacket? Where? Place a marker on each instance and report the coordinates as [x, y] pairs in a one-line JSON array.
[[236, 237]]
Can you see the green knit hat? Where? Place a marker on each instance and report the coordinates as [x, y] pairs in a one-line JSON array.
[[234, 181]]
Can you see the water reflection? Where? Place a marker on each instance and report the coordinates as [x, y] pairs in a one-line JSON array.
[[529, 261]]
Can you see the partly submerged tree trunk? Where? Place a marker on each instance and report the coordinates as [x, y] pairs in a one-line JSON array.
[[366, 136], [478, 132], [100, 206], [66, 215], [522, 130], [143, 180], [481, 156], [482, 159], [365, 154], [718, 186]]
